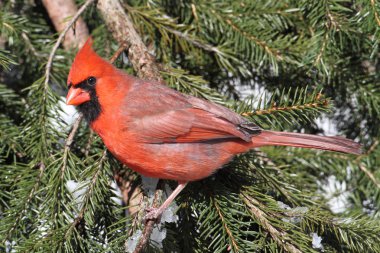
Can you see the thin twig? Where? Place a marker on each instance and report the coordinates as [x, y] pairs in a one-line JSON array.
[[364, 169], [68, 143], [89, 142], [370, 175], [118, 52], [60, 39], [278, 236]]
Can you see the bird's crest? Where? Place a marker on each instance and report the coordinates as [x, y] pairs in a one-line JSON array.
[[87, 63]]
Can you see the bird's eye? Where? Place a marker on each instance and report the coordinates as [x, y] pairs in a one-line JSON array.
[[91, 80]]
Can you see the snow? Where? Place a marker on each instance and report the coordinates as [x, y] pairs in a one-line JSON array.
[[158, 235], [317, 241], [337, 194], [68, 112], [282, 205], [131, 243], [149, 185]]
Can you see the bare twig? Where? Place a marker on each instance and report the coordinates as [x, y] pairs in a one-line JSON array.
[[49, 64], [59, 11], [69, 141], [278, 236], [118, 52]]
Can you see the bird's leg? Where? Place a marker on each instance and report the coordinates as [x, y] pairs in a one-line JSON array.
[[154, 213]]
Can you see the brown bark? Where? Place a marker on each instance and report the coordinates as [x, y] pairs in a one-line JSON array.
[[60, 11], [123, 31]]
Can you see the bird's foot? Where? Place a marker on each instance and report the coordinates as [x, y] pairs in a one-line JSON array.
[[152, 214]]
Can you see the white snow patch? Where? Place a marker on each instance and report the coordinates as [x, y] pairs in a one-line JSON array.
[[282, 205], [337, 192], [158, 235], [131, 243], [117, 192], [317, 241], [327, 125], [68, 112], [149, 184]]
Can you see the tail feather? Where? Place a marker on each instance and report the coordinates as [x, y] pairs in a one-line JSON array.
[[338, 144]]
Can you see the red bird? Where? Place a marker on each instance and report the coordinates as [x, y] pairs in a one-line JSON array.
[[162, 133]]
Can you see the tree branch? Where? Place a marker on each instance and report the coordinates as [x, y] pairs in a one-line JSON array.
[[278, 236], [150, 223], [123, 31], [59, 11], [60, 39]]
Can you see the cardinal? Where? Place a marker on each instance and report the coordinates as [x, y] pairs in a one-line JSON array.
[[162, 133]]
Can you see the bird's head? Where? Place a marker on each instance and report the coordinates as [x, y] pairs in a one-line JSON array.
[[86, 71], [87, 80]]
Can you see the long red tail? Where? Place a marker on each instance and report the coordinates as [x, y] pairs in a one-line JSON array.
[[339, 144]]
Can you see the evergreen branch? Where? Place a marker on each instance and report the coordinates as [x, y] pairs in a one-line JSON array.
[[60, 39], [88, 195], [196, 42], [275, 109], [322, 49], [26, 202], [356, 233], [259, 42], [195, 85], [163, 21], [228, 231], [30, 45], [284, 108], [5, 60], [280, 237]]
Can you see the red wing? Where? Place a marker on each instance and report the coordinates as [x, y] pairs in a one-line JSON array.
[[186, 125]]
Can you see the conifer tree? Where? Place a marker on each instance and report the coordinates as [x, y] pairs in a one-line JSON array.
[[284, 65]]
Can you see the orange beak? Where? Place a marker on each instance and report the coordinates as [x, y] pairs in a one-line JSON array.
[[77, 96]]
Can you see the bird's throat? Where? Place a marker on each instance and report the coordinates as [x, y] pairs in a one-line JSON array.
[[91, 110]]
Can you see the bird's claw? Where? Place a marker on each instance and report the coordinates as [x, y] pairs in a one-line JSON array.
[[152, 214]]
